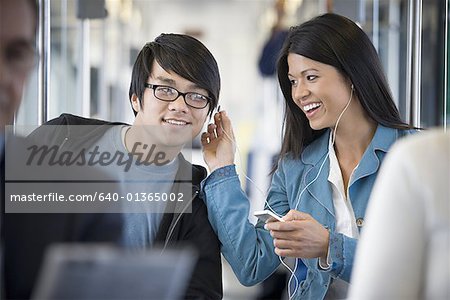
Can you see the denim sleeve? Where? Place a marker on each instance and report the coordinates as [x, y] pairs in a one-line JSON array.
[[221, 173], [247, 248], [342, 251]]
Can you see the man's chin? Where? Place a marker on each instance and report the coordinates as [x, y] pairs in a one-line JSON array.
[[174, 142], [173, 138]]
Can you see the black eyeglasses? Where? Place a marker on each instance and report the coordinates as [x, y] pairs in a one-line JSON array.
[[169, 94]]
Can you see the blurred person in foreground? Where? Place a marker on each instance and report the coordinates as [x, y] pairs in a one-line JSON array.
[[404, 251], [25, 237]]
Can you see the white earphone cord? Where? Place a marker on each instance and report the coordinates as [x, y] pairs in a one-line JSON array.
[[299, 197]]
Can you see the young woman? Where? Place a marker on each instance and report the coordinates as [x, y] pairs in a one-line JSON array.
[[340, 122]]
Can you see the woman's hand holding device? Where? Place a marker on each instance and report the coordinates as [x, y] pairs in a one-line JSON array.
[[266, 216]]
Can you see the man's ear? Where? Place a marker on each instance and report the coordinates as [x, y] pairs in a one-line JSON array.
[[135, 103]]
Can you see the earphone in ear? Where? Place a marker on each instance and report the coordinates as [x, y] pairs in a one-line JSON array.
[[353, 87]]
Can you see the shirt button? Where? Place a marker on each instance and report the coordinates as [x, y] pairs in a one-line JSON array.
[[360, 222]]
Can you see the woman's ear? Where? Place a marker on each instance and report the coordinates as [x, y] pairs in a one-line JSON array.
[[135, 103]]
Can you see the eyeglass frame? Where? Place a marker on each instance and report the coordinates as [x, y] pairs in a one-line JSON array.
[[155, 86]]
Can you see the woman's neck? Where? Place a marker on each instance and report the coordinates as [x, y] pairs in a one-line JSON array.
[[353, 138]]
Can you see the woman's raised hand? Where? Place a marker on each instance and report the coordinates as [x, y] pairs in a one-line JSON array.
[[219, 144]]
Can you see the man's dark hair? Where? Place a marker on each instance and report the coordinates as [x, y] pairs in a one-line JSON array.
[[182, 54], [336, 41]]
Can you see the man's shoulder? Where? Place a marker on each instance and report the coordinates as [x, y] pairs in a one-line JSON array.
[[68, 126], [70, 119], [198, 172]]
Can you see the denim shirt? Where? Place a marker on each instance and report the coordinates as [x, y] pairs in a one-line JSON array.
[[249, 249]]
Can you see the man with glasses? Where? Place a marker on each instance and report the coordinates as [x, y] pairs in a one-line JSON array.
[[175, 85]]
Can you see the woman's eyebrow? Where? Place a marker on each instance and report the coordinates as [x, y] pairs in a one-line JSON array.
[[309, 69], [304, 71]]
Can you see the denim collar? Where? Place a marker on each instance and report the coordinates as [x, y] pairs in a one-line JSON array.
[[382, 140], [317, 151]]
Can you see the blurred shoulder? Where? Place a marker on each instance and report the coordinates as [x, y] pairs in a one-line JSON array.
[[425, 143]]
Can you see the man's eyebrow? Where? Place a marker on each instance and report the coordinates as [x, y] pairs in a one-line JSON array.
[[165, 80], [172, 82]]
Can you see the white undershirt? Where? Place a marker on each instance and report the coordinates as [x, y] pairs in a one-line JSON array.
[[343, 210], [344, 216]]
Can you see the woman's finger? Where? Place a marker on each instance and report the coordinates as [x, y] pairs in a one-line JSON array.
[[223, 124], [205, 138], [212, 131], [285, 244], [285, 235]]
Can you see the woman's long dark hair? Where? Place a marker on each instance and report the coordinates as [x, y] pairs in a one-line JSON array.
[[337, 41]]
